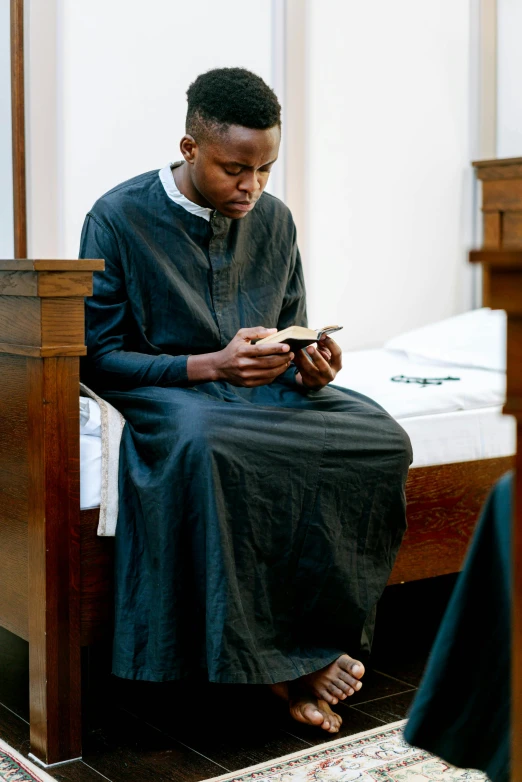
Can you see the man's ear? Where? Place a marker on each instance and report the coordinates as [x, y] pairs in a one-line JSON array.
[[189, 148]]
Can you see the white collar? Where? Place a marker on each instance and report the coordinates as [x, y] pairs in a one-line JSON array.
[[171, 189]]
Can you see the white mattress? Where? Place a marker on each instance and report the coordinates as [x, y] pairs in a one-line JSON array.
[[463, 436], [457, 421], [90, 468]]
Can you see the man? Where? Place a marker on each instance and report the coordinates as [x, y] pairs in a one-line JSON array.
[[260, 510]]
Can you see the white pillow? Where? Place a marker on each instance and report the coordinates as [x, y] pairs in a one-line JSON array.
[[90, 417], [474, 339]]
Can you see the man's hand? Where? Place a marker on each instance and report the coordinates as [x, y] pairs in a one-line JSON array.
[[326, 361], [241, 363]]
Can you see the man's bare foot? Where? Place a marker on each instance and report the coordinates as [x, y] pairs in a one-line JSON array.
[[337, 681], [307, 709]]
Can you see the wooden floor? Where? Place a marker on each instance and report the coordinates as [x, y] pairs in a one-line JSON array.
[[148, 732]]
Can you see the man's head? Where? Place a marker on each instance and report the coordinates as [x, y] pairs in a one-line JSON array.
[[233, 131]]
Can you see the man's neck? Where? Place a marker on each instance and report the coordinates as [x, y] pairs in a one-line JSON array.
[[186, 187]]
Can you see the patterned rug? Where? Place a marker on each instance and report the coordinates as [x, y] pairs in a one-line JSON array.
[[378, 755], [15, 768]]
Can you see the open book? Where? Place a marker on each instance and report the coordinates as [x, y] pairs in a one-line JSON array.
[[298, 337]]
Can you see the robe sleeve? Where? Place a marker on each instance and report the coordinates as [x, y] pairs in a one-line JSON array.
[[110, 326], [293, 310]]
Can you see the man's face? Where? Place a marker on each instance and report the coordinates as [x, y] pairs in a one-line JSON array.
[[231, 170]]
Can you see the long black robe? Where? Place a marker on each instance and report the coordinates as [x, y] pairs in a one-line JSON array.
[[462, 709], [257, 527]]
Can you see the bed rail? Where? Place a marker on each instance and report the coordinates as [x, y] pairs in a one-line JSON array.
[[41, 338]]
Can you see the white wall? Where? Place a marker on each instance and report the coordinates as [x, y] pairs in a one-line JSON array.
[[389, 182], [126, 65], [379, 176], [509, 64], [43, 145], [114, 84], [6, 149]]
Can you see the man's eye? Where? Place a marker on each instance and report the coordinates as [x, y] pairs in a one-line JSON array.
[[232, 173]]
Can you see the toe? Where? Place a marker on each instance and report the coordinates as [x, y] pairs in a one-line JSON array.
[[349, 681], [335, 723], [357, 669], [306, 712], [312, 714], [335, 691], [351, 666], [344, 687], [332, 721], [325, 695]]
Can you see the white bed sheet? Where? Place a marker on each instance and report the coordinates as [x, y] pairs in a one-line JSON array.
[[90, 470], [370, 373]]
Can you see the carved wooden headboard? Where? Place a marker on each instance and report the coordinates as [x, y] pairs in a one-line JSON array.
[[501, 208]]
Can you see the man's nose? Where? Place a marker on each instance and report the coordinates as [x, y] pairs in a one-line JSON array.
[[249, 182]]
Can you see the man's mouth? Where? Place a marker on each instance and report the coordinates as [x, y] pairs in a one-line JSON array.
[[243, 206]]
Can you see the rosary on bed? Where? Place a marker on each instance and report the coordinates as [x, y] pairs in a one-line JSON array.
[[422, 381]]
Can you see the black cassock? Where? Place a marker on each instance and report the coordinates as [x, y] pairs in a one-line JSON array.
[[257, 526], [462, 710]]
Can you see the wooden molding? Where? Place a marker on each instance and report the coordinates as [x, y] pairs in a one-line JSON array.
[[42, 352], [46, 284], [43, 323], [52, 265], [18, 128], [505, 259], [511, 171], [42, 306]]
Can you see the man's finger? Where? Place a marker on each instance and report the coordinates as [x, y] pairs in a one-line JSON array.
[[335, 350], [267, 350], [304, 363], [267, 362], [258, 332], [325, 353], [322, 366], [260, 378]]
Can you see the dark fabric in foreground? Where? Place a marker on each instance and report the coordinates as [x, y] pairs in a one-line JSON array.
[[462, 710], [257, 527]]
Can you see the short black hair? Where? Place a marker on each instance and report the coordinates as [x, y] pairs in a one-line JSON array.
[[230, 96]]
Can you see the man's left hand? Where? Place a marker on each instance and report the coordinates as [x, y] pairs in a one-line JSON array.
[[326, 361]]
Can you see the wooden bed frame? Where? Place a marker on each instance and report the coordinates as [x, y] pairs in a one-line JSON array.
[[55, 573]]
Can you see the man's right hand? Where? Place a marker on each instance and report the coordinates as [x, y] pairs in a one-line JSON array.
[[241, 363]]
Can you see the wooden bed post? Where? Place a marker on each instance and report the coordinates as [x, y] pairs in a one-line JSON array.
[[501, 209], [504, 270], [54, 558], [41, 338]]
